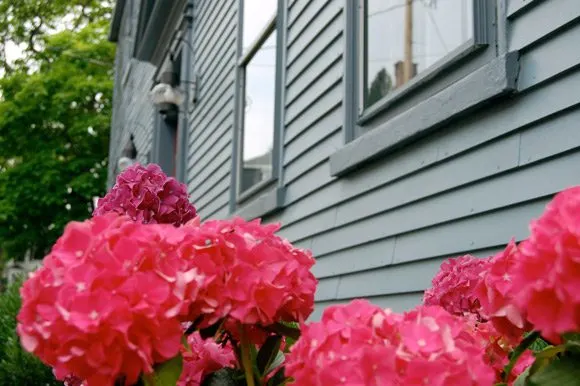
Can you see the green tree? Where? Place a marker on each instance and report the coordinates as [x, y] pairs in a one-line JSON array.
[[54, 131], [380, 86], [26, 23]]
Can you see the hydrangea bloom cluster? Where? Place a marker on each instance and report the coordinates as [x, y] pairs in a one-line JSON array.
[[343, 349], [203, 357], [104, 303], [455, 283], [147, 195], [546, 284], [359, 344], [253, 277], [494, 294]]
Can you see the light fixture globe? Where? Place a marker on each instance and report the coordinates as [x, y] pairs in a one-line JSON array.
[[124, 163], [164, 93]]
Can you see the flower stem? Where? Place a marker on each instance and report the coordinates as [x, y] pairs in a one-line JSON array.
[[246, 360], [527, 342]]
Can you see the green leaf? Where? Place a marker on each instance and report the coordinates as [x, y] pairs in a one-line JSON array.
[[268, 353], [561, 372], [522, 378], [523, 346], [277, 362], [166, 373]]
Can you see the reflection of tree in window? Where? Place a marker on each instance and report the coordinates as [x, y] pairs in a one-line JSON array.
[[380, 86], [405, 37]]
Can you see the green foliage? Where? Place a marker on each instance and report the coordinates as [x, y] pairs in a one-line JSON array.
[[166, 373], [54, 133], [27, 23], [18, 367]]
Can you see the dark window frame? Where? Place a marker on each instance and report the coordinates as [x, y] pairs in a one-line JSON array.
[[430, 99]]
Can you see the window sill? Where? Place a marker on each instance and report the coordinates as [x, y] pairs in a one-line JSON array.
[[267, 203], [492, 80]]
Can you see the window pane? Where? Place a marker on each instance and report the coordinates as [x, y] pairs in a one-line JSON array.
[[399, 47], [258, 131], [257, 14]]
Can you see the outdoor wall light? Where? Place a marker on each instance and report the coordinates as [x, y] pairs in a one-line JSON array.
[[167, 97], [124, 163]]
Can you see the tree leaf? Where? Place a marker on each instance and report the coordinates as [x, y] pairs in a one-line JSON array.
[[560, 372], [166, 373]]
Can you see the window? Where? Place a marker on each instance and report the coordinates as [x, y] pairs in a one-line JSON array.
[[401, 40], [405, 37], [411, 66], [257, 67]]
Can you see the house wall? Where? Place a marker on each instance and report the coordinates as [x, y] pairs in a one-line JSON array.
[[133, 112], [382, 231]]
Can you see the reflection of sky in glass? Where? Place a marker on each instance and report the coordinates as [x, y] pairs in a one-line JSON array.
[[257, 14], [439, 26], [260, 95]]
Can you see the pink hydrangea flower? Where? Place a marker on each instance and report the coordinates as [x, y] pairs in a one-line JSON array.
[[494, 293], [147, 195], [438, 348], [343, 349], [252, 276], [546, 279], [360, 344], [202, 358], [104, 303], [454, 285]]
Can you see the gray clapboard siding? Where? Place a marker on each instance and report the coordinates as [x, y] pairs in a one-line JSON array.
[[316, 155], [550, 58], [296, 9], [559, 136], [541, 21], [211, 120], [301, 32], [308, 138], [457, 138]]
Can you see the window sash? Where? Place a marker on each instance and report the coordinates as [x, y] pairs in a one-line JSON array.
[[480, 38], [243, 61]]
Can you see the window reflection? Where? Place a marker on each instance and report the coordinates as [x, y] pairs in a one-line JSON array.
[[404, 37], [258, 129]]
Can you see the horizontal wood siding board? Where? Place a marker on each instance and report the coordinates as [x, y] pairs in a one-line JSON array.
[[221, 128], [541, 21], [218, 30], [205, 15], [515, 7], [307, 139], [218, 65], [317, 154], [485, 231], [210, 180], [310, 24], [319, 110], [331, 57], [549, 59], [219, 152], [296, 10], [456, 138], [204, 200], [326, 83], [213, 115], [220, 213], [221, 198], [395, 279], [314, 50]]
